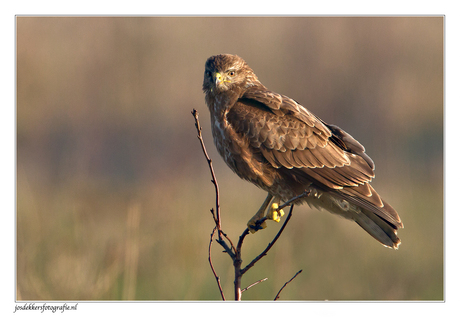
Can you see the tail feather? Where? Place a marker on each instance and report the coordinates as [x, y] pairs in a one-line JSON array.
[[381, 222], [380, 229]]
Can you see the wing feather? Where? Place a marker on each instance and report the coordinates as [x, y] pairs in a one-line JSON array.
[[288, 135], [282, 159]]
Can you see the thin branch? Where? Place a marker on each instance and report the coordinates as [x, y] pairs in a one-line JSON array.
[[237, 265], [278, 295], [255, 283], [264, 252], [230, 250], [306, 193], [212, 266], [215, 214], [213, 175], [270, 245], [237, 260]]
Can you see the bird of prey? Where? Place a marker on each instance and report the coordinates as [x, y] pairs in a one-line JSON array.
[[274, 142]]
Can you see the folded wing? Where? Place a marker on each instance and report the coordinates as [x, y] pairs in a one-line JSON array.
[[291, 137]]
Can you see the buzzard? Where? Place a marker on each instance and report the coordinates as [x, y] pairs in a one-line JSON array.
[[277, 144]]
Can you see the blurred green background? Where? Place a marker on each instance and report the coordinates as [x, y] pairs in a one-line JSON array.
[[113, 191]]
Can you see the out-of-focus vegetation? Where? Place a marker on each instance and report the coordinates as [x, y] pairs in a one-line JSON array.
[[113, 192]]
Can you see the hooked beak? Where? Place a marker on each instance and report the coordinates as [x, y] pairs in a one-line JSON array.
[[217, 78]]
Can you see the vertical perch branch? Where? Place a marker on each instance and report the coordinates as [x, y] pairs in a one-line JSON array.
[[216, 212], [216, 215], [212, 266]]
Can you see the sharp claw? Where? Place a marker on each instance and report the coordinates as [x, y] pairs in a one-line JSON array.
[[258, 221], [274, 214], [279, 214]]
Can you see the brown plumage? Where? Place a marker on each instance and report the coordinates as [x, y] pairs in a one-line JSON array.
[[274, 142]]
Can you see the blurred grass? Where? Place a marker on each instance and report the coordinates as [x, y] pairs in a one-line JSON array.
[[113, 193]]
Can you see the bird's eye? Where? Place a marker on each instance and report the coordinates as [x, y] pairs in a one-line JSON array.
[[208, 73], [231, 73]]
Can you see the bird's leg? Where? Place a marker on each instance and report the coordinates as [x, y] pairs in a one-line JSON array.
[[273, 213], [256, 223]]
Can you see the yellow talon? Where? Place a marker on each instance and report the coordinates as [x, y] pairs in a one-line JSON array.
[[273, 214], [254, 224], [280, 214]]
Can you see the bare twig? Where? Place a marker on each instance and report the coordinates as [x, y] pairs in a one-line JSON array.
[[278, 295], [306, 193], [213, 175], [270, 245], [215, 214], [237, 265], [212, 266], [255, 283], [237, 261]]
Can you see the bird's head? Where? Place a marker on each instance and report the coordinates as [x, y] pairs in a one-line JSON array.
[[227, 72]]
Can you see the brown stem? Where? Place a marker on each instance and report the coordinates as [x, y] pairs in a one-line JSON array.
[[278, 295], [237, 265], [212, 266], [253, 284], [213, 175], [216, 213], [270, 245]]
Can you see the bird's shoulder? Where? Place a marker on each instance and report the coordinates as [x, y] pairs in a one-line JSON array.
[[277, 121], [283, 106]]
